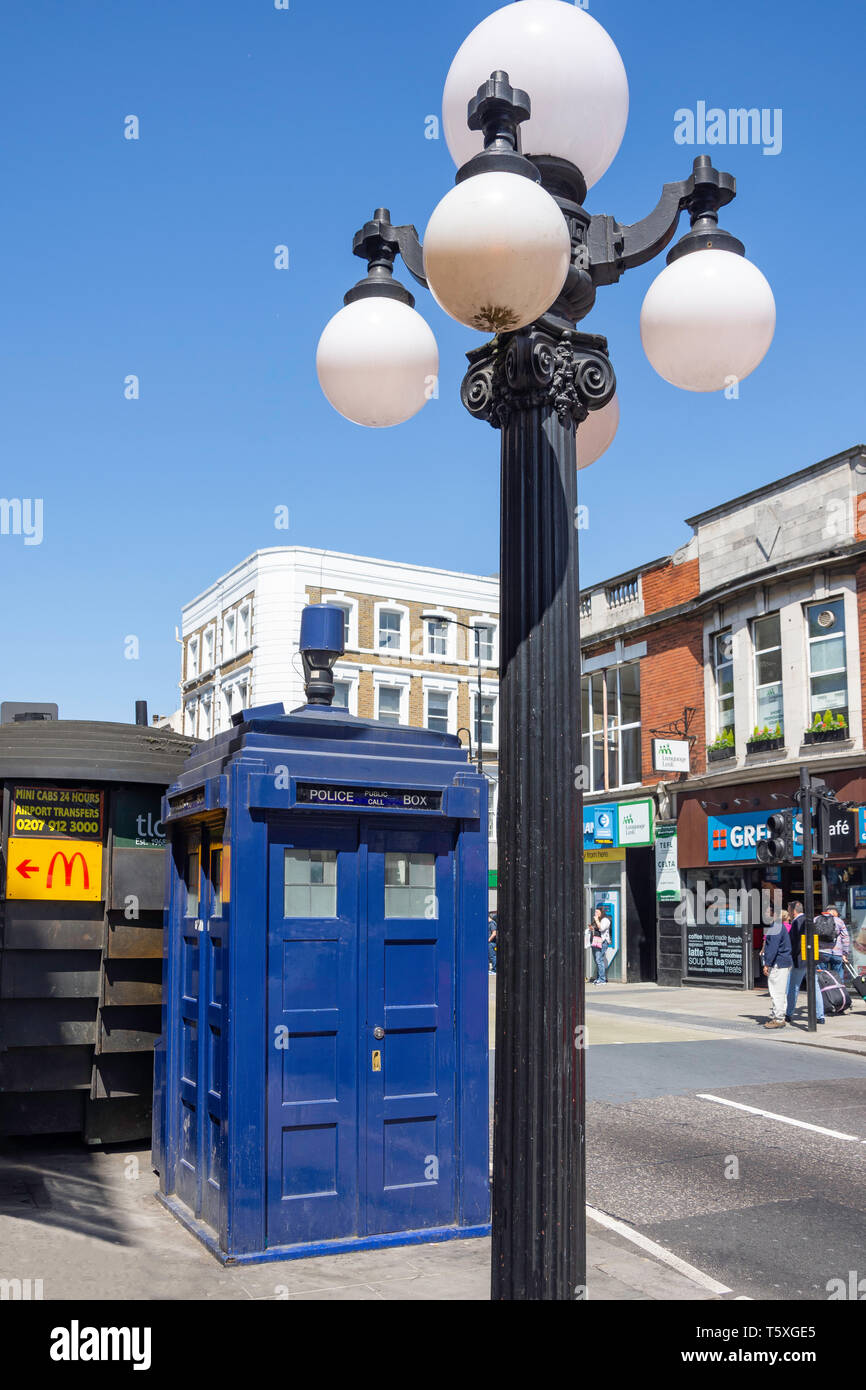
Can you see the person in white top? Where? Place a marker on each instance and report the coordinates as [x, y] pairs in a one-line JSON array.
[[600, 941]]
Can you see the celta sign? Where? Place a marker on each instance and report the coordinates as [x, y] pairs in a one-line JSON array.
[[670, 755], [734, 839]]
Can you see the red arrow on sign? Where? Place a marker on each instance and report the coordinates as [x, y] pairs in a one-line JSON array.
[[25, 869]]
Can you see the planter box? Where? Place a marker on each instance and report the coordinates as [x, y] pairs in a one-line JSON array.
[[826, 735], [718, 755], [765, 745]]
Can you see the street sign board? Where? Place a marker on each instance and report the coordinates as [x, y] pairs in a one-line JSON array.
[[56, 812], [136, 819], [60, 870], [671, 755]]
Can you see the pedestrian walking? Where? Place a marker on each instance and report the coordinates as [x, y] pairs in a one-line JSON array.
[[600, 941], [798, 968], [778, 961], [833, 955], [492, 938]]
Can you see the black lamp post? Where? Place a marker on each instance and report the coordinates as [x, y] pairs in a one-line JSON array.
[[536, 382]]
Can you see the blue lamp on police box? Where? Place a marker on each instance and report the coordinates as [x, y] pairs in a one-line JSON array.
[[321, 644]]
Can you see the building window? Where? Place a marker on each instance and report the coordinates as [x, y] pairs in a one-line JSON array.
[[310, 883], [828, 669], [484, 642], [243, 633], [614, 694], [341, 694], [205, 717], [767, 642], [390, 630], [190, 712], [389, 697], [488, 710], [192, 658], [723, 670], [438, 708], [229, 634], [209, 642], [437, 637], [623, 723], [592, 724]]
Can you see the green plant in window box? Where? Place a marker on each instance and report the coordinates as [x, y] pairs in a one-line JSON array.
[[724, 742], [827, 727]]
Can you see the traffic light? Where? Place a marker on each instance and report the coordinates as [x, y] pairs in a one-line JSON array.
[[778, 848]]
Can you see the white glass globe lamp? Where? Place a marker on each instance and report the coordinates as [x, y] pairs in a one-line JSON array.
[[707, 320], [571, 69], [496, 252], [377, 362], [596, 433]]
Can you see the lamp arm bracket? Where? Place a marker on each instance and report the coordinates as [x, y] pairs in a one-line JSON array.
[[409, 245], [614, 249]]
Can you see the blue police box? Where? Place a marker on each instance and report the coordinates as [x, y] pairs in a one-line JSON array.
[[321, 1083]]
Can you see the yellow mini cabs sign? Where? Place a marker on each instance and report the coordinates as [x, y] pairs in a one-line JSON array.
[[62, 870]]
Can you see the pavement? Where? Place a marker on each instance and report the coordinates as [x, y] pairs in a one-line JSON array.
[[87, 1224], [625, 1012]]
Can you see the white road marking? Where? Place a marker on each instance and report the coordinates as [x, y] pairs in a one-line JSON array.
[[783, 1119], [667, 1257]]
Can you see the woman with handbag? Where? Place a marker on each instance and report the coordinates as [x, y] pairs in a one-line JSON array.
[[600, 941]]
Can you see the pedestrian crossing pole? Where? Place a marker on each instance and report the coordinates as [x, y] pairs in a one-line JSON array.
[[810, 939]]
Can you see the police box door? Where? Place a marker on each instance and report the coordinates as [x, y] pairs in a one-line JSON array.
[[410, 1025], [360, 1033]]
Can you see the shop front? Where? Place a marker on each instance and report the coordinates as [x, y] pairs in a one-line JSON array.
[[728, 898], [619, 877]]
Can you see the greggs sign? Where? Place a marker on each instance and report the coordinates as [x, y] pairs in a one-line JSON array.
[[62, 870]]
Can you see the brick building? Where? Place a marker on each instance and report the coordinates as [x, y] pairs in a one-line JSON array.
[[741, 642]]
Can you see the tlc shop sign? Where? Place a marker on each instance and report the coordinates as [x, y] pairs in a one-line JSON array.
[[733, 839]]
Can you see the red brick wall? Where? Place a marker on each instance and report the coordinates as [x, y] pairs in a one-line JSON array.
[[671, 677], [670, 585]]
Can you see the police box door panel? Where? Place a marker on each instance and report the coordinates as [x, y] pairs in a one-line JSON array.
[[410, 1056], [312, 1160], [188, 1174]]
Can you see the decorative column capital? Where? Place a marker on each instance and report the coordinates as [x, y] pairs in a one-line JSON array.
[[538, 366]]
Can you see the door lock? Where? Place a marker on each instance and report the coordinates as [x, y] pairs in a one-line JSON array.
[[377, 1061], [378, 1032]]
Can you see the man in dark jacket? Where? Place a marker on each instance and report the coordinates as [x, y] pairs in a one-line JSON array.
[[778, 961], [798, 972]]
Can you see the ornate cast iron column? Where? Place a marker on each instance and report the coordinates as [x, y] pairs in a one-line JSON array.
[[536, 386]]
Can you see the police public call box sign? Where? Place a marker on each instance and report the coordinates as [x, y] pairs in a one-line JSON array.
[[367, 798]]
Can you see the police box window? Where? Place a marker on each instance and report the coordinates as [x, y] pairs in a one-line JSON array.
[[410, 884], [828, 668], [310, 883]]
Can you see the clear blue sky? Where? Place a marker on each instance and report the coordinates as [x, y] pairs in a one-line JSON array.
[[260, 127]]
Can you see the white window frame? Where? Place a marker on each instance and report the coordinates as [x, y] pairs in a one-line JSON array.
[[756, 687], [395, 681], [350, 606], [350, 677], [488, 692], [192, 657], [244, 621], [718, 727], [190, 717], [209, 632], [230, 623], [449, 656], [493, 624], [403, 612], [840, 598], [205, 717], [441, 687]]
